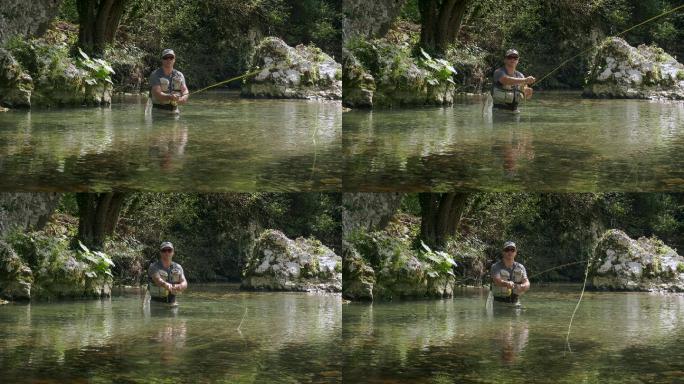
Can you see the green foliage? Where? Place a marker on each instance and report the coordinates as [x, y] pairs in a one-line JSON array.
[[98, 69], [680, 267], [440, 69], [441, 262], [99, 261]]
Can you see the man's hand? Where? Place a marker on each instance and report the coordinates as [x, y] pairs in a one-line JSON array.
[[530, 80], [528, 92]]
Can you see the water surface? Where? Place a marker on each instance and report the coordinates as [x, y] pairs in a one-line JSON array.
[[219, 142], [283, 338], [559, 142], [615, 338]]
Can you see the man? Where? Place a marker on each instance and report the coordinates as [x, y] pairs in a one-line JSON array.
[[509, 85], [509, 278], [168, 88], [166, 277]]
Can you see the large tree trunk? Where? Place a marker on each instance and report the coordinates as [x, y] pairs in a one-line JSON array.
[[98, 22], [440, 216], [98, 215], [440, 23]]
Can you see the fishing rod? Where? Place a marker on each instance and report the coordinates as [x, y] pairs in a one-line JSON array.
[[243, 76], [619, 34], [557, 267]]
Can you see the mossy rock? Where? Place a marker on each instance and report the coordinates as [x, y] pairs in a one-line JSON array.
[[16, 84], [16, 277]]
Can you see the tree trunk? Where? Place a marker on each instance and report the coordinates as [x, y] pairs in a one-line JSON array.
[[98, 21], [440, 23], [98, 215], [440, 216]]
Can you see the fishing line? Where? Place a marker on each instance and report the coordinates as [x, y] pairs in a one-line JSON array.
[[560, 266], [248, 74], [584, 286], [619, 34]]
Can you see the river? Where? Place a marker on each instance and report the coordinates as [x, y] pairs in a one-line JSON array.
[[220, 142], [559, 142], [615, 338], [217, 334]]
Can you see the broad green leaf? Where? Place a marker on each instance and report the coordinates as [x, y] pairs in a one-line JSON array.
[[425, 54], [425, 246], [83, 54]]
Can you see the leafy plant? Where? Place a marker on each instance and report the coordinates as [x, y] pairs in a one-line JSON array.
[[440, 69], [441, 262], [100, 262], [98, 69]]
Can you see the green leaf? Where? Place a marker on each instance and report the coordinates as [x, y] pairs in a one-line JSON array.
[[83, 247], [425, 54], [83, 54], [91, 81], [91, 274], [425, 247], [433, 274]]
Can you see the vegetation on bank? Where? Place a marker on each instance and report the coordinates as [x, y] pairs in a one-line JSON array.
[[213, 234], [551, 230], [473, 35]]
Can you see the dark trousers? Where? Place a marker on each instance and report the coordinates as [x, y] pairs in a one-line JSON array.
[[513, 298]]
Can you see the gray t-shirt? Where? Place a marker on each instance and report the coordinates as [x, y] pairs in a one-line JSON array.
[[173, 274], [516, 274], [169, 84], [501, 72]]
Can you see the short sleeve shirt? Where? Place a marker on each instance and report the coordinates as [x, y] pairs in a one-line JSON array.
[[169, 84], [501, 72], [173, 274], [516, 274]]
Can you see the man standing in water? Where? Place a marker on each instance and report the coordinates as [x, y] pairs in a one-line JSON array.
[[509, 85], [168, 88], [509, 278], [166, 277]]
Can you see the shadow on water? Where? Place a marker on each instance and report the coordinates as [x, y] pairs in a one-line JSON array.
[[218, 143], [559, 142]]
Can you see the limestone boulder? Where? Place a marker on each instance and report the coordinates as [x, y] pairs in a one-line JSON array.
[[278, 263]]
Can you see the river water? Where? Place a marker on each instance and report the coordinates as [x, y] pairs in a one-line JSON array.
[[559, 142], [220, 142], [283, 338], [615, 338]]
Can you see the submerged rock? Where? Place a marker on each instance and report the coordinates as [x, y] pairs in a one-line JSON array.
[[15, 276], [622, 263], [302, 72], [645, 72], [282, 264], [15, 84]]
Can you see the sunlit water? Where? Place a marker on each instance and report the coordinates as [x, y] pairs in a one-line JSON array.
[[219, 142], [615, 338], [559, 142], [284, 338]]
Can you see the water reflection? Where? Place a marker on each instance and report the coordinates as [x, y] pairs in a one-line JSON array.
[[460, 341], [558, 142], [284, 338], [219, 143]]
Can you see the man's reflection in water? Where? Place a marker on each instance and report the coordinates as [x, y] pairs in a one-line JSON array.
[[513, 146], [512, 339], [169, 330], [168, 141]]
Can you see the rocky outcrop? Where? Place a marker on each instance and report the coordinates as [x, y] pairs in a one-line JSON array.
[[15, 84], [369, 18], [15, 276], [24, 210], [302, 72], [368, 211], [282, 264], [387, 74], [644, 72], [26, 18], [37, 265], [384, 265], [624, 264]]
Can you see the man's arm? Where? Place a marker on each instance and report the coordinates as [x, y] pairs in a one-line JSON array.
[[498, 281], [180, 287], [508, 80], [185, 93], [159, 95]]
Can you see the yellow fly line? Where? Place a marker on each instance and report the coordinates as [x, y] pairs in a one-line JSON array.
[[619, 34], [248, 74]]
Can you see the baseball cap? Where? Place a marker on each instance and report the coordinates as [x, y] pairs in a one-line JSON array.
[[509, 244], [168, 51], [510, 52], [166, 244]]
